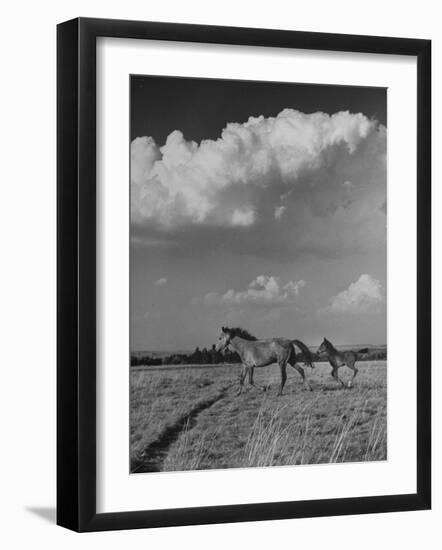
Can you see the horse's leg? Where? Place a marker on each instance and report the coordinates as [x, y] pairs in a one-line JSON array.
[[251, 372], [283, 371], [351, 365], [336, 377], [242, 377], [302, 373], [252, 383]]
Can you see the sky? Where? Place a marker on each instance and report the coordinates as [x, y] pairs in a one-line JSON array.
[[256, 204]]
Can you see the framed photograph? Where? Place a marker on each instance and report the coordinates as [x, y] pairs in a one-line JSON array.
[[243, 274]]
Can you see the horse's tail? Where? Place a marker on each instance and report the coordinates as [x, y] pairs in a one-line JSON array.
[[308, 357]]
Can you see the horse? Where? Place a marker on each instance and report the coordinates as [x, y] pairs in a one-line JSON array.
[[261, 353], [339, 359]]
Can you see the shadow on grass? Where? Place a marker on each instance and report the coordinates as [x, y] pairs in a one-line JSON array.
[[329, 389]]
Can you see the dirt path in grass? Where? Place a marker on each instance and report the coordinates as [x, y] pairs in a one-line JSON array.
[[153, 456]]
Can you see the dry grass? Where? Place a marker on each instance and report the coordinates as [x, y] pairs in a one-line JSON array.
[[160, 397], [327, 425]]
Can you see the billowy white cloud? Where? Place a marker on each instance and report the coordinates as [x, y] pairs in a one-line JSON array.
[[161, 282], [225, 182], [363, 296], [279, 212], [262, 290], [243, 217]]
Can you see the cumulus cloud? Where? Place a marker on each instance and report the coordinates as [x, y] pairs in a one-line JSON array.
[[279, 212], [243, 217], [161, 282], [224, 182], [262, 290], [363, 296]]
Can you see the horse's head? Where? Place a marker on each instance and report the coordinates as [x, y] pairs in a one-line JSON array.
[[323, 347], [224, 339]]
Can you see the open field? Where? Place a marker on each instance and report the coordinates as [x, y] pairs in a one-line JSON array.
[[189, 417]]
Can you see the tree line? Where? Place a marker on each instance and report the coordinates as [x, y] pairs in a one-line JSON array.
[[211, 356], [199, 356]]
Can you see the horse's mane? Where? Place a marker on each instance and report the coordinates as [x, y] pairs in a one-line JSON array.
[[240, 332]]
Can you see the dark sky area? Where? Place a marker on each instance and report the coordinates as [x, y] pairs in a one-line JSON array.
[[201, 107]]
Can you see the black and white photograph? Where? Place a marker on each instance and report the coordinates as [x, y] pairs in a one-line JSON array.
[[218, 265], [257, 274]]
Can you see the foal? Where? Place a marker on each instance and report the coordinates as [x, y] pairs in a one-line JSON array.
[[339, 359]]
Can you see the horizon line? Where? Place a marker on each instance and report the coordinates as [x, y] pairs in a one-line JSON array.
[[210, 346]]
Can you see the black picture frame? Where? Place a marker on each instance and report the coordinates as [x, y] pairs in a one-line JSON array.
[[77, 287]]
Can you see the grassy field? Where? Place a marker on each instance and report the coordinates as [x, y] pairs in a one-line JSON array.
[[189, 417]]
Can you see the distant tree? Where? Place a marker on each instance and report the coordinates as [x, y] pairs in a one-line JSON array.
[[144, 360], [205, 356], [230, 357], [196, 357], [215, 356]]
